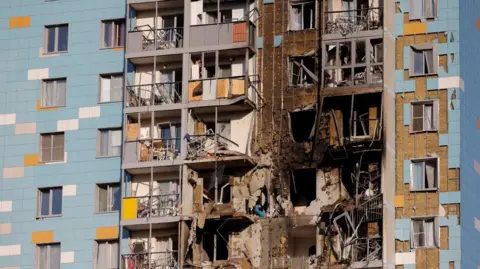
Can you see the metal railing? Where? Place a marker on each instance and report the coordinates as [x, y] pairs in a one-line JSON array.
[[154, 94], [367, 249], [157, 260], [345, 22], [160, 39], [161, 205], [158, 149], [205, 145], [370, 210]]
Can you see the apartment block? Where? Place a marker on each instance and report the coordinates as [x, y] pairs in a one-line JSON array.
[[153, 134], [61, 83]]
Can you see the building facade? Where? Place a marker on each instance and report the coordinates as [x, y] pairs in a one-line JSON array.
[[61, 118], [238, 134]]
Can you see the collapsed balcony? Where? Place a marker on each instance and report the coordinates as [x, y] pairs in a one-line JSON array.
[[226, 78], [160, 260], [161, 30], [154, 81], [153, 136], [347, 17], [354, 63]]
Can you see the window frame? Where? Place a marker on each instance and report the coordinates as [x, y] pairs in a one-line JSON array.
[[110, 197], [49, 247], [423, 48], [99, 141], [412, 174], [56, 39], [436, 231], [110, 75], [313, 13], [421, 14], [435, 115], [102, 33], [97, 247], [50, 202], [51, 147], [44, 89], [291, 66]]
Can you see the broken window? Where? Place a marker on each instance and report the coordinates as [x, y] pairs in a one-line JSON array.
[[302, 15], [424, 233], [424, 116], [302, 70], [215, 246], [422, 9], [301, 123], [303, 187], [424, 174], [423, 60]]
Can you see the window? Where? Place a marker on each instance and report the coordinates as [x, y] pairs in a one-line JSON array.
[[106, 255], [110, 142], [54, 92], [302, 16], [424, 116], [423, 60], [424, 233], [52, 147], [49, 202], [111, 88], [424, 174], [108, 197], [422, 9], [56, 38], [48, 256], [301, 70], [113, 33]]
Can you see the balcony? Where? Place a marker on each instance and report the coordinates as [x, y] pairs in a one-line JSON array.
[[148, 150], [154, 260], [163, 205], [367, 253], [145, 38], [154, 94], [225, 90], [237, 34], [348, 21]]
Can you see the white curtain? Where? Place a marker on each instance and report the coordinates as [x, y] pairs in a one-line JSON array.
[[418, 234], [429, 233], [295, 18], [418, 173], [104, 143], [42, 257], [102, 195], [116, 142], [55, 256], [430, 174], [105, 89], [116, 88], [428, 118], [429, 61], [54, 93], [102, 255]]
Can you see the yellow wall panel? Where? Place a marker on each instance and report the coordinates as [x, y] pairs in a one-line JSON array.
[[129, 208], [42, 237], [31, 160], [19, 22], [414, 28], [110, 232], [399, 201]]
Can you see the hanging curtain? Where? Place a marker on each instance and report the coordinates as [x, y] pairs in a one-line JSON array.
[[102, 197], [178, 136], [418, 173], [430, 174], [167, 90], [295, 18], [102, 255], [428, 61], [117, 198], [104, 143], [54, 256], [116, 88], [105, 94], [427, 118], [113, 263], [429, 233], [115, 142], [42, 257]]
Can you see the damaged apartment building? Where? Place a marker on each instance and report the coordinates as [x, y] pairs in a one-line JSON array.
[[253, 135], [269, 134]]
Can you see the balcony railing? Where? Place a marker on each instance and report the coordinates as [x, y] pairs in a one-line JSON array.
[[155, 206], [145, 38], [216, 88], [154, 94], [367, 249], [346, 22], [207, 144], [157, 260], [147, 150], [224, 33], [370, 210]]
